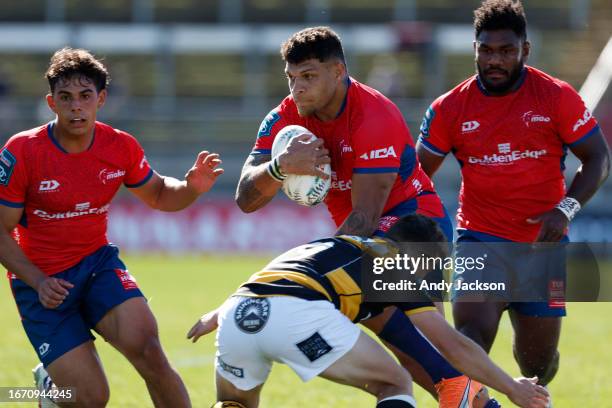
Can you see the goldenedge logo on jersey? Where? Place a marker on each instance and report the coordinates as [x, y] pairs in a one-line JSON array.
[[342, 185], [80, 210], [506, 156]]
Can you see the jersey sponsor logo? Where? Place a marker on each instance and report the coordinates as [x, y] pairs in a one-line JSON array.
[[265, 129], [469, 126], [126, 279], [383, 153], [504, 148], [418, 186], [426, 123], [342, 185], [251, 314], [386, 222], [583, 120], [345, 147], [235, 371], [556, 294], [48, 185], [106, 175], [43, 349], [7, 165], [506, 156], [81, 209], [530, 117], [314, 347], [143, 162]]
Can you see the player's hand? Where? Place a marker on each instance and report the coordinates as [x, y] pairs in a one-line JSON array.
[[53, 291], [201, 177], [554, 223], [204, 325], [302, 157], [527, 394]]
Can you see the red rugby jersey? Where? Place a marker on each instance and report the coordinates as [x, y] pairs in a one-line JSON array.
[[511, 149], [368, 136], [66, 196]]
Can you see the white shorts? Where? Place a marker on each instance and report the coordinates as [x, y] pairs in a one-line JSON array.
[[308, 336]]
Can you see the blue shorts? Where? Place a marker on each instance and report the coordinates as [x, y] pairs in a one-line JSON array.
[[101, 282], [498, 263]]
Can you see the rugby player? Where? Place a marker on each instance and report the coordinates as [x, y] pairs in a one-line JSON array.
[[56, 184], [376, 177], [300, 310], [510, 126]]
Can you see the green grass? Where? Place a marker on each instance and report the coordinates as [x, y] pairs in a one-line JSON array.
[[180, 289]]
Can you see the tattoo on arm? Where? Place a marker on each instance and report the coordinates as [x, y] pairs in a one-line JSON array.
[[248, 196], [357, 223]]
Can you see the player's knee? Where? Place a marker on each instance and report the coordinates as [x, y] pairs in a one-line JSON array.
[[93, 396], [228, 404], [543, 365], [397, 383], [481, 333], [153, 354], [147, 354]]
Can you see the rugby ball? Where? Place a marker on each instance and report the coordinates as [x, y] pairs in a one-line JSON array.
[[303, 189]]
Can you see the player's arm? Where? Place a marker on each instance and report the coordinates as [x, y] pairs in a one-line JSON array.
[[51, 291], [369, 193], [594, 154], [469, 358], [257, 185], [205, 324], [434, 138], [169, 194], [430, 162]]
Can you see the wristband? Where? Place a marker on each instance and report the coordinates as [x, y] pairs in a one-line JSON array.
[[569, 206], [274, 170]]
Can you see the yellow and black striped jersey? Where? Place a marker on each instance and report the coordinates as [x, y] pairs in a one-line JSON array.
[[328, 269]]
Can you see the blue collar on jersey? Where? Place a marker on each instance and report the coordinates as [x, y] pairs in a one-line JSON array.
[[343, 106], [50, 127], [521, 80]]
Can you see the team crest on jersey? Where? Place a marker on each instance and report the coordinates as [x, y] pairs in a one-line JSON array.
[[426, 123], [265, 129], [7, 165], [252, 314]]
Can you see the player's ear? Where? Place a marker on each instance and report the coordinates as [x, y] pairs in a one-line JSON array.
[[526, 50], [51, 103], [101, 98], [339, 70]]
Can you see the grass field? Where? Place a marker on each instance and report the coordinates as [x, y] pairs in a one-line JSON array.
[[180, 289]]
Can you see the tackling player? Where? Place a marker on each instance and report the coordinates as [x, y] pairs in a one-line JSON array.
[[510, 127], [300, 310], [376, 177], [56, 185]]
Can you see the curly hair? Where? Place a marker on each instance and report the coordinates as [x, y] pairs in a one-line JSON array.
[[70, 62], [501, 15], [321, 43]]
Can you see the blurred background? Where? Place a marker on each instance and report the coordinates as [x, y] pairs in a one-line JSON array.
[[189, 75]]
